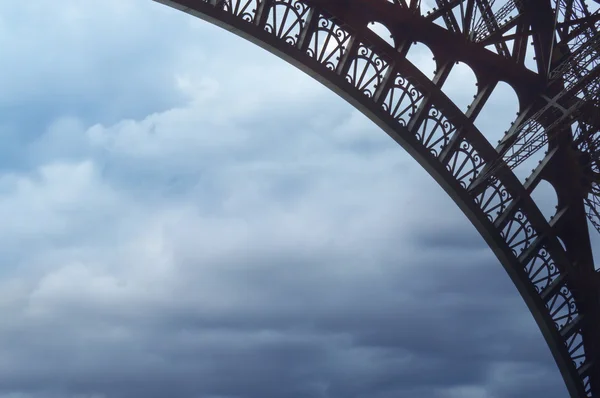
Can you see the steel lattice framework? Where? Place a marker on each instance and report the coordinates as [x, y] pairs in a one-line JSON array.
[[549, 261]]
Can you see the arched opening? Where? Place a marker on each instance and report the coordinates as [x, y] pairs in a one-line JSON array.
[[499, 111], [461, 85], [544, 195], [382, 31], [423, 58], [530, 62]]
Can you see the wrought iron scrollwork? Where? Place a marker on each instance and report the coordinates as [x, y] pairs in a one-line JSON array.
[[245, 9], [574, 345], [328, 43], [435, 132], [465, 164], [287, 19], [402, 100], [562, 307], [519, 233], [494, 199], [541, 270], [366, 70]]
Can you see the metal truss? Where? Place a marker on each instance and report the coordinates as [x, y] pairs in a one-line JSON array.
[[549, 261]]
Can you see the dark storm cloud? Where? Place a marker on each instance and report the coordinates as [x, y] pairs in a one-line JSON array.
[[257, 240], [298, 325]]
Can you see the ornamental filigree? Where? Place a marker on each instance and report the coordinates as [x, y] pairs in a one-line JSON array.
[[245, 9], [328, 43], [366, 70], [435, 132], [402, 100], [494, 199], [465, 164], [519, 233], [287, 19], [562, 307], [541, 270], [576, 350]]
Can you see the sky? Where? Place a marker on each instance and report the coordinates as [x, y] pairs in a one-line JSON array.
[[185, 215]]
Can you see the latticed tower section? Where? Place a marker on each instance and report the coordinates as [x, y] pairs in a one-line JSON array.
[[548, 52]]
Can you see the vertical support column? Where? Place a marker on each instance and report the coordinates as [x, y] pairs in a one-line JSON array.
[[262, 12], [308, 31]]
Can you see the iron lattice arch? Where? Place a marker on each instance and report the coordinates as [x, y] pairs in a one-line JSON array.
[[549, 261]]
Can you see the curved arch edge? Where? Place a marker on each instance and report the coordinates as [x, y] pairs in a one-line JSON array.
[[434, 159]]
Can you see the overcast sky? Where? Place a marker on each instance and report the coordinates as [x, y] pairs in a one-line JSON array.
[[185, 215]]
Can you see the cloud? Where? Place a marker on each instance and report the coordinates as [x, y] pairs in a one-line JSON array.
[[241, 232]]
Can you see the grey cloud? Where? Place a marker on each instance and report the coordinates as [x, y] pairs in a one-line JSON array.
[[363, 332], [303, 254]]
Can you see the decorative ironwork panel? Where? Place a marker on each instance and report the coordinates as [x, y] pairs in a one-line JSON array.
[[562, 307], [402, 100], [494, 199], [465, 164], [575, 347], [245, 9], [366, 70], [328, 43], [287, 19], [435, 132], [518, 233], [541, 270]]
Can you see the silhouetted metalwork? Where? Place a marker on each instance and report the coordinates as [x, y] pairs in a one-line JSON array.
[[548, 52]]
